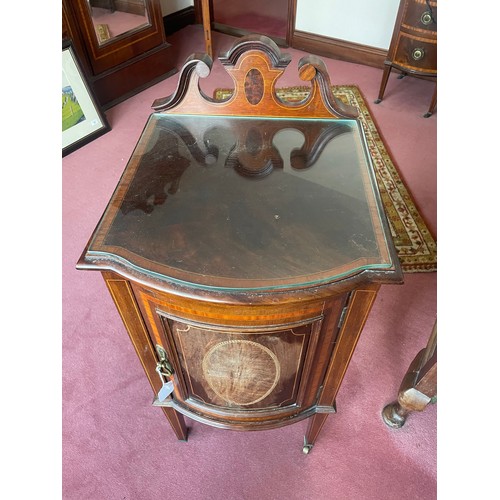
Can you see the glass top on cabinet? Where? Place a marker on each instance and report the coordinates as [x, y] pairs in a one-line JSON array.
[[245, 203]]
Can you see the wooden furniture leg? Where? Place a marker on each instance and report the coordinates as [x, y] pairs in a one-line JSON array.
[[207, 28], [361, 302], [314, 426], [128, 308], [383, 83], [419, 385], [176, 421], [433, 103]]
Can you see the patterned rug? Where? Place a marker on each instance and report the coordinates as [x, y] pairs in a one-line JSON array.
[[415, 245]]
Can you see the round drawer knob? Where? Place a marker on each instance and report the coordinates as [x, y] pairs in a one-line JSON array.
[[426, 18], [417, 53]]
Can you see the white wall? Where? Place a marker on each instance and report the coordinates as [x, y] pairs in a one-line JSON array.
[[171, 6], [367, 22]]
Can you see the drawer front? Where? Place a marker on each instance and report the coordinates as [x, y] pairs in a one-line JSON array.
[[416, 54], [241, 370], [420, 17]]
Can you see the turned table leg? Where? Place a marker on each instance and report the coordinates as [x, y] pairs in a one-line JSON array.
[[418, 388]]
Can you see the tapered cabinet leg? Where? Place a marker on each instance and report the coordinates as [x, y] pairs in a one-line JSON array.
[[360, 303], [177, 423], [122, 295], [432, 106], [314, 426], [383, 83]]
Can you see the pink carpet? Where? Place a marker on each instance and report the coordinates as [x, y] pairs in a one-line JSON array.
[[117, 446]]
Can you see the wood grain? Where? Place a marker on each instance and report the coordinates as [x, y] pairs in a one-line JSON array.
[[245, 359]]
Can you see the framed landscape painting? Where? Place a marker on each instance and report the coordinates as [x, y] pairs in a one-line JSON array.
[[82, 117]]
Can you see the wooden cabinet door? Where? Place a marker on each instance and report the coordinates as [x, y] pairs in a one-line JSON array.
[[238, 369], [106, 54], [239, 365]]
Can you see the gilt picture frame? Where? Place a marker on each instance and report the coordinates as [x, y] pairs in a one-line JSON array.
[[82, 117]]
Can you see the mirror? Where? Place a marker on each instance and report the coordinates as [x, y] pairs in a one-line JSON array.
[[112, 18]]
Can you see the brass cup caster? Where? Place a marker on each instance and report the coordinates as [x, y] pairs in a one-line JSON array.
[[307, 447]]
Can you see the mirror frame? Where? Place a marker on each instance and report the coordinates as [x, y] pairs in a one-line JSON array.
[[111, 8], [119, 49]]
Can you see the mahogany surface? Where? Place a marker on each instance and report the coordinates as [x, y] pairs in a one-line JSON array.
[[245, 244]]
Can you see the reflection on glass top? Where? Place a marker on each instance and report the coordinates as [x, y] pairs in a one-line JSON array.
[[112, 18], [245, 203]]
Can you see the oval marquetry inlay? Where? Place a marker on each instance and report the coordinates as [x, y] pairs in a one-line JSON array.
[[241, 372], [254, 86]]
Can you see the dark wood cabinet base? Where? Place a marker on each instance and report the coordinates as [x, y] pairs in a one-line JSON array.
[[128, 79]]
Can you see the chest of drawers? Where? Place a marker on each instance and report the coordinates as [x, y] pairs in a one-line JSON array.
[[413, 49]]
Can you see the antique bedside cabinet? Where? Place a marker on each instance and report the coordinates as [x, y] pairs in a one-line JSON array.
[[244, 246]]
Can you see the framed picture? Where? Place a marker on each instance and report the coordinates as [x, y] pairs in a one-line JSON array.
[[82, 117]]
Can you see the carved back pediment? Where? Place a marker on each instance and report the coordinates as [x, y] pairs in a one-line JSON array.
[[255, 64]]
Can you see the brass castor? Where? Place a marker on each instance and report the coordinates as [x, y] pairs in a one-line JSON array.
[[307, 447], [394, 416]]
